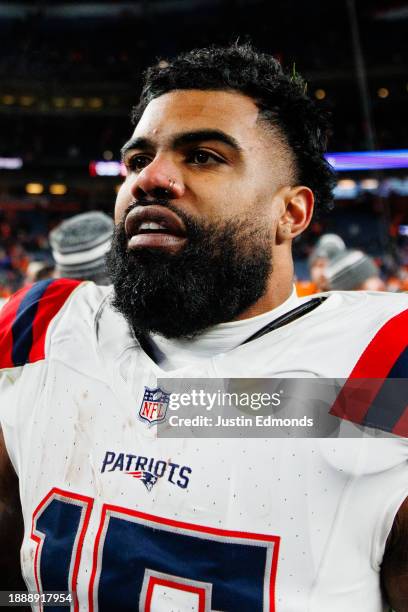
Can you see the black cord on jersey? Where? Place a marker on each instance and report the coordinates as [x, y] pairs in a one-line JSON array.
[[286, 318], [156, 355]]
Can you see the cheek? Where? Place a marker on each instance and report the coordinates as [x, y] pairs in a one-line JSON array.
[[123, 200], [315, 274], [237, 199], [266, 209]]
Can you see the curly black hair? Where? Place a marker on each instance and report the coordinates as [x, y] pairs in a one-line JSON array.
[[280, 96]]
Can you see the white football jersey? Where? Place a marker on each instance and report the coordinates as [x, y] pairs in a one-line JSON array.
[[131, 521]]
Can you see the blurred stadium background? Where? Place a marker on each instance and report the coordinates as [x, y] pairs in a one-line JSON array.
[[70, 72]]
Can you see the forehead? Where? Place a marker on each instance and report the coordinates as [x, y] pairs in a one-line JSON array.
[[187, 110]]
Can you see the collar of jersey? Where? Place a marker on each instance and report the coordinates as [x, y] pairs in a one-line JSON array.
[[224, 338]]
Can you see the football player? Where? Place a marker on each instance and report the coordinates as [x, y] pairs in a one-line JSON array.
[[223, 169]]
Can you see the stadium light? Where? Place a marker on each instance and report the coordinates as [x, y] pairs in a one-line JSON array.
[[320, 94], [107, 168], [27, 100], [369, 184], [346, 184], [8, 99], [368, 160], [11, 163], [77, 102], [383, 92], [95, 103], [58, 189], [59, 102], [34, 188], [345, 189]]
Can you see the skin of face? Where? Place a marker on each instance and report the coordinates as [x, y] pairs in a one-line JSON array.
[[375, 283], [318, 271], [219, 160]]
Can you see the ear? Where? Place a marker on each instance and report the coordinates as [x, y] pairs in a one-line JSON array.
[[297, 214]]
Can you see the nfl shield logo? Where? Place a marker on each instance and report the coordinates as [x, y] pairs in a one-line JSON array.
[[154, 405]]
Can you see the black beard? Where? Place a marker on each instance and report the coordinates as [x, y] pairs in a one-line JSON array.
[[220, 273]]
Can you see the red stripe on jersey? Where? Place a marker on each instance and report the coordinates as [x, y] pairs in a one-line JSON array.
[[51, 302], [48, 305], [373, 366], [355, 398], [401, 427], [7, 318], [384, 349]]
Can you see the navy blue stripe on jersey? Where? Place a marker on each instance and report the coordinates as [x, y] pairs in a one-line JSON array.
[[400, 367], [22, 329], [389, 405], [391, 401], [375, 394]]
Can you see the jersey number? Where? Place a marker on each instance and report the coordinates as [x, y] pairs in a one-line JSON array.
[[145, 563]]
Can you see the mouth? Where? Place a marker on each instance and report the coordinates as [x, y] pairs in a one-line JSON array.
[[154, 226]]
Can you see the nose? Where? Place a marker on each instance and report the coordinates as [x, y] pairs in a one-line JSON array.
[[159, 179]]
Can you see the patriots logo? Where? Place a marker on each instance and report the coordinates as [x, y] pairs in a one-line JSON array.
[[154, 405], [147, 478]]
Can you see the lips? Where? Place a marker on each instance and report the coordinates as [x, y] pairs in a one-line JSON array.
[[154, 226]]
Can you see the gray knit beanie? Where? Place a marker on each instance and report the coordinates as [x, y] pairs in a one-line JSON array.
[[79, 246], [328, 246], [349, 269]]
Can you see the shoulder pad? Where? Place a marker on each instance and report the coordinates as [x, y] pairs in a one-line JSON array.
[[24, 320], [375, 394]]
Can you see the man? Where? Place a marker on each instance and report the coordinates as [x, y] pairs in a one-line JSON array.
[[223, 168], [38, 270], [327, 247], [353, 270]]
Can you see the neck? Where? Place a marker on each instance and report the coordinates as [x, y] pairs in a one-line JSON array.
[[278, 290]]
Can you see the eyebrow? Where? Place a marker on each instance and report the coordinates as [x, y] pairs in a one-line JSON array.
[[185, 138]]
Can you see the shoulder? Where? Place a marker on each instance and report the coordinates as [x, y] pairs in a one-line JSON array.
[[374, 320], [27, 317], [384, 317], [372, 303], [351, 321], [376, 327]]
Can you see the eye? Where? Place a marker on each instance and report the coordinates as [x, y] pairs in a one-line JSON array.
[[135, 163], [200, 157]]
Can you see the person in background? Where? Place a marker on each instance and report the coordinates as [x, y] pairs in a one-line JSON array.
[[79, 245], [353, 270], [38, 270], [327, 247]]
